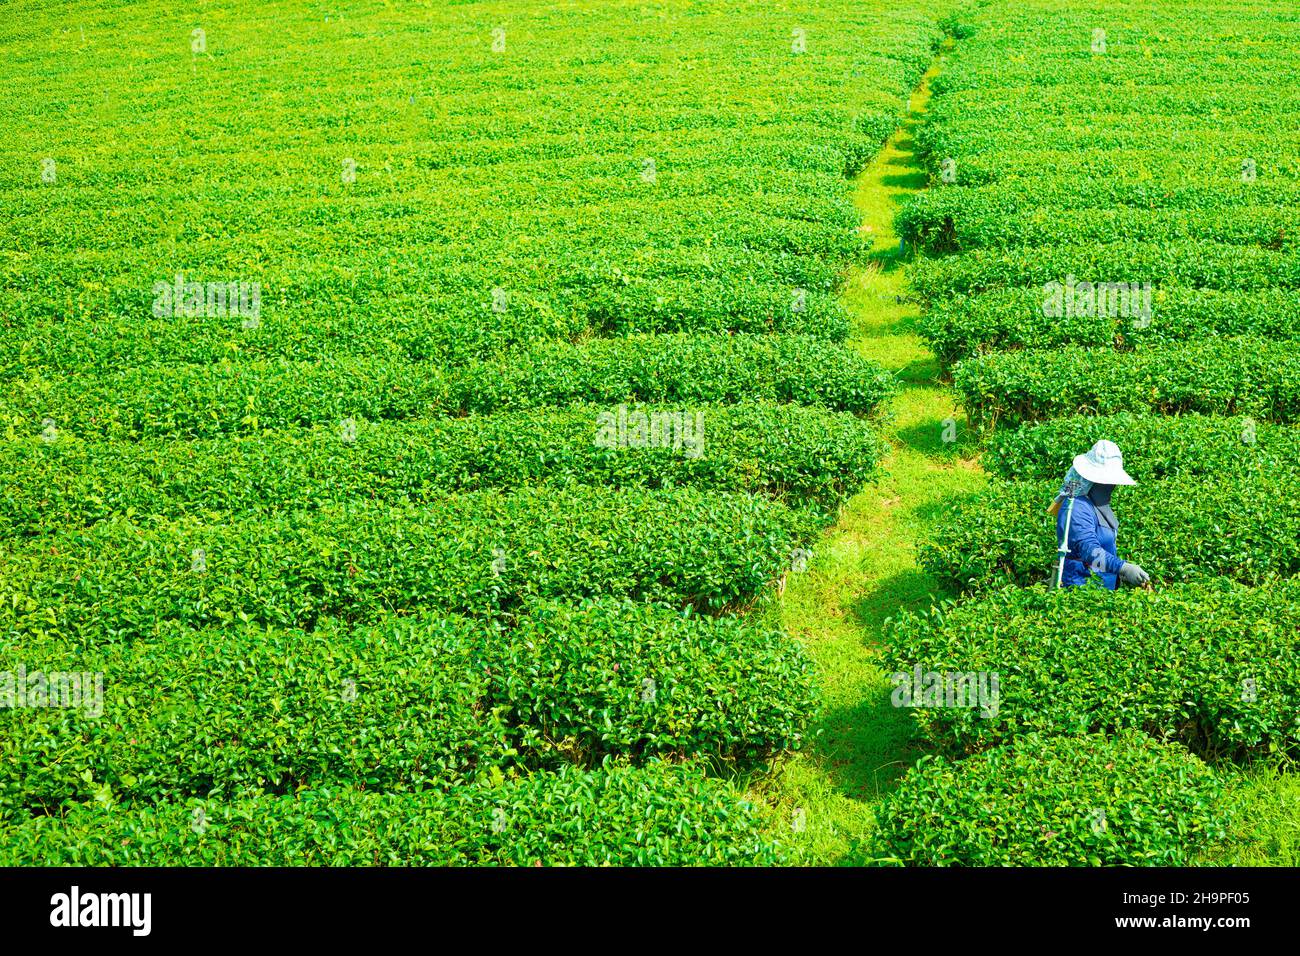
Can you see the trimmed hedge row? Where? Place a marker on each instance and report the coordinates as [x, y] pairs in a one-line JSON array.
[[1242, 526], [451, 329], [1241, 376], [205, 401], [925, 214], [648, 305], [657, 815], [222, 712], [996, 165], [429, 701], [1192, 59], [675, 368], [1056, 801], [448, 330], [477, 553], [1155, 446], [1198, 97], [959, 226], [1059, 146], [1197, 264], [793, 453], [610, 677], [1008, 319], [1213, 666]]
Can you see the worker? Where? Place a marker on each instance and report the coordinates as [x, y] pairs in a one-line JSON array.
[[1086, 527]]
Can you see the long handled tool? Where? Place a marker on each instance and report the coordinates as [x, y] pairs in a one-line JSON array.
[[1064, 547]]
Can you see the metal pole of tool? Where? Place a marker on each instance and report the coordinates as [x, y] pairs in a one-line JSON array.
[[1064, 547]]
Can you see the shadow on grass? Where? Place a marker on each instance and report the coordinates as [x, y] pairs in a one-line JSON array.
[[947, 508], [864, 748], [922, 371], [886, 259], [913, 181], [910, 589], [904, 325], [946, 439]]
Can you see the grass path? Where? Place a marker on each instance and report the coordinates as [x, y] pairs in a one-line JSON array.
[[864, 568]]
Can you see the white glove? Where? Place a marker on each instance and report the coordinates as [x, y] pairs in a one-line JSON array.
[[1133, 575]]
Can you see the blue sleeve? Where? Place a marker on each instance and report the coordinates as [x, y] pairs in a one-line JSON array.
[[1084, 542]]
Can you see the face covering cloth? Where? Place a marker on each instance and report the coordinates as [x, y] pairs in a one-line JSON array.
[[1099, 495]]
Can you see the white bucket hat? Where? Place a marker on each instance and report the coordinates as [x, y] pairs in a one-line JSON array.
[[1103, 464]]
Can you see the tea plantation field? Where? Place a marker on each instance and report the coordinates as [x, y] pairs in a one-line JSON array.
[[428, 431], [1110, 253], [400, 407]]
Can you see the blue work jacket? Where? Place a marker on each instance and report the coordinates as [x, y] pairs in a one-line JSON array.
[[1091, 546]]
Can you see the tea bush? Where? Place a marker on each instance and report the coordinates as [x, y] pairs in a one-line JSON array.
[[428, 701], [1013, 318], [959, 220], [1241, 526], [801, 455], [1155, 447], [1055, 801], [1021, 194], [478, 553], [657, 815], [1198, 264], [222, 712], [1176, 664], [199, 401], [1245, 376], [675, 368], [641, 680], [210, 401]]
